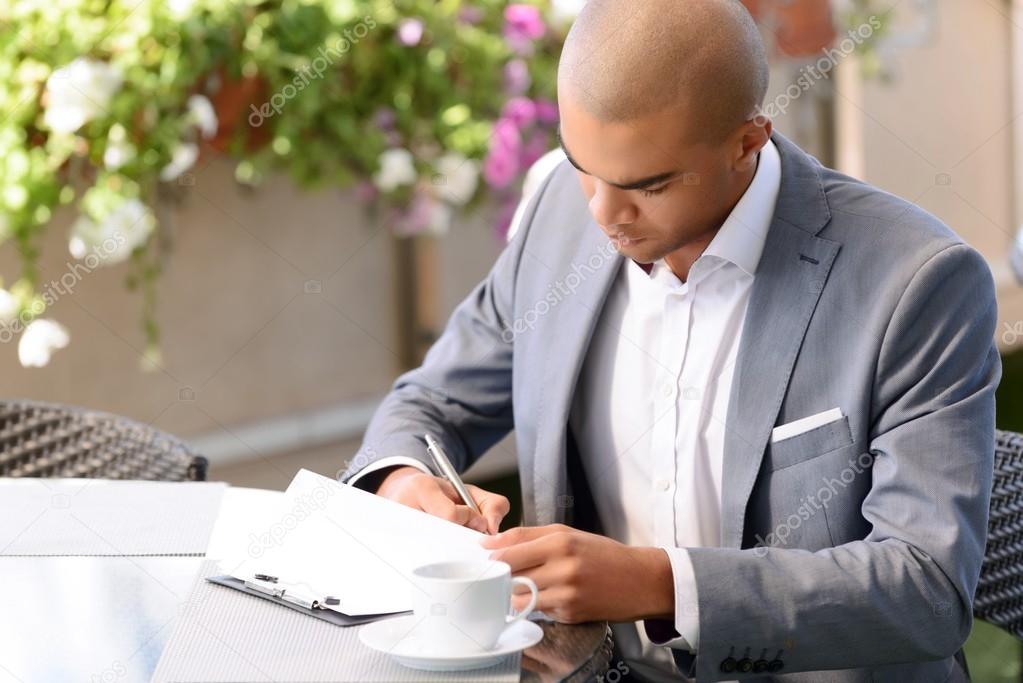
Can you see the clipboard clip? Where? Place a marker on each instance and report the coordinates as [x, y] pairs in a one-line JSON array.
[[259, 582]]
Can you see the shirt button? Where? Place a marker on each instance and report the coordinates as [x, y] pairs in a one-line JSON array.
[[667, 390], [663, 484]]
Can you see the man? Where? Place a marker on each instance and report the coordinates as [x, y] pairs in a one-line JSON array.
[[755, 428]]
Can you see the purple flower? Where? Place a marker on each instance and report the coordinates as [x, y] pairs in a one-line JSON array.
[[534, 148], [522, 25], [519, 110], [504, 217], [410, 32], [470, 15], [500, 166], [365, 192], [523, 20], [505, 136], [546, 111], [384, 118], [516, 77]]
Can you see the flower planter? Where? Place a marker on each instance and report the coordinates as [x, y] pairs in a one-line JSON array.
[[800, 28]]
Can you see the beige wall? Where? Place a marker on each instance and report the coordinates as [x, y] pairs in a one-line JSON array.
[[941, 133], [239, 328]]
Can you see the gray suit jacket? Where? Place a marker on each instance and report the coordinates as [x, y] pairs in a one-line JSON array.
[[850, 552]]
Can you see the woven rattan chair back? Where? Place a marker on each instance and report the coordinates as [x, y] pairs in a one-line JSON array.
[[999, 597], [49, 440]]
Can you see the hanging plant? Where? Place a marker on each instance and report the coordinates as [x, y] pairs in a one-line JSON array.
[[105, 102]]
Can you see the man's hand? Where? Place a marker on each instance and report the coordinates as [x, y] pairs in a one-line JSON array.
[[586, 577], [436, 496]]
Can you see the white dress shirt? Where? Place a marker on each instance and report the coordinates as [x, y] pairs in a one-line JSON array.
[[649, 409], [648, 412]]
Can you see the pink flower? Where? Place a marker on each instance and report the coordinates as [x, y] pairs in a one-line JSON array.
[[504, 217], [522, 25], [365, 192], [516, 77], [470, 15], [410, 32], [535, 148], [519, 110], [500, 167], [546, 111], [523, 20], [505, 135]]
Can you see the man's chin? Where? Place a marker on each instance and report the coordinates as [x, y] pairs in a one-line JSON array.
[[641, 250]]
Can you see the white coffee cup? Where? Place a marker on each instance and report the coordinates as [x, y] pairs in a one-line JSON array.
[[464, 606]]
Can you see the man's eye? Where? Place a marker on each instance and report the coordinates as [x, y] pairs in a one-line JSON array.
[[651, 193]]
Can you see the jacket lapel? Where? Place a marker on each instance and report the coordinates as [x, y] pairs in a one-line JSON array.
[[568, 333], [789, 279]]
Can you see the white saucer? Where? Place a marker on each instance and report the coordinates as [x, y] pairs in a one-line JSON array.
[[399, 638]]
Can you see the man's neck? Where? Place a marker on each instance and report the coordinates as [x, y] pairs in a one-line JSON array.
[[683, 258]]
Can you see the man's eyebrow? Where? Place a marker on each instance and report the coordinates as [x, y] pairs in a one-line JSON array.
[[641, 184]]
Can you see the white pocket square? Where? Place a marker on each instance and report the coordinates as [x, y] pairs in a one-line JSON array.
[[797, 427]]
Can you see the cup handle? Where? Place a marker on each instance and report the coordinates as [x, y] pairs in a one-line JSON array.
[[528, 583]]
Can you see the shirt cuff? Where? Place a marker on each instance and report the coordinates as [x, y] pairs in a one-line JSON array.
[[686, 632], [383, 463]]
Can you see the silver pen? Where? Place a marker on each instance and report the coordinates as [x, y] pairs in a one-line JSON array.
[[440, 459]]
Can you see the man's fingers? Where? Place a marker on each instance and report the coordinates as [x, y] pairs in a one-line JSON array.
[[433, 501], [522, 534], [523, 556], [494, 506]]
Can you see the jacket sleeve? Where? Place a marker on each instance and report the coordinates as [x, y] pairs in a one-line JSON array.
[[905, 592], [462, 393]]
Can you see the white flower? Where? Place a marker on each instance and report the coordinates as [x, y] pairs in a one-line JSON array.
[[201, 113], [182, 158], [117, 154], [565, 11], [78, 93], [39, 340], [180, 9], [125, 228], [8, 307], [396, 169], [440, 217], [457, 178]]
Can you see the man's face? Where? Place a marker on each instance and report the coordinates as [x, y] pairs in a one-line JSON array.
[[649, 188]]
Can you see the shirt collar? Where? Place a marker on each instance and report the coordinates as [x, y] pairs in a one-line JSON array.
[[741, 238]]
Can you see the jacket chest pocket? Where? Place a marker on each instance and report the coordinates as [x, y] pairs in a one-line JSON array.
[[809, 445]]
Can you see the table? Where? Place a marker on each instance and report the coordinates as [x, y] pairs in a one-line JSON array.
[[108, 618]]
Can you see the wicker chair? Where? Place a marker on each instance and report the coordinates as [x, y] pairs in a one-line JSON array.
[[49, 440], [999, 596]]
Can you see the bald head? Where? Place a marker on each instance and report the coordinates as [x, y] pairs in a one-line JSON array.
[[704, 58]]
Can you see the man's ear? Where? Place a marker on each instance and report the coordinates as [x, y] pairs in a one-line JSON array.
[[753, 135]]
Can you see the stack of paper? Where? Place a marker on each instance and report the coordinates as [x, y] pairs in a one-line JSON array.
[[331, 539]]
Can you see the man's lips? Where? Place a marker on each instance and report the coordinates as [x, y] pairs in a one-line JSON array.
[[624, 241]]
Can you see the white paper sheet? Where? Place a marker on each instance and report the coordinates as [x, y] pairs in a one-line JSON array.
[[332, 539]]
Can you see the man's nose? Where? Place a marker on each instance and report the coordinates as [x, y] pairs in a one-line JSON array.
[[610, 206]]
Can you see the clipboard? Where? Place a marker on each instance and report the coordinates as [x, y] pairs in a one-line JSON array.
[[323, 613]]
